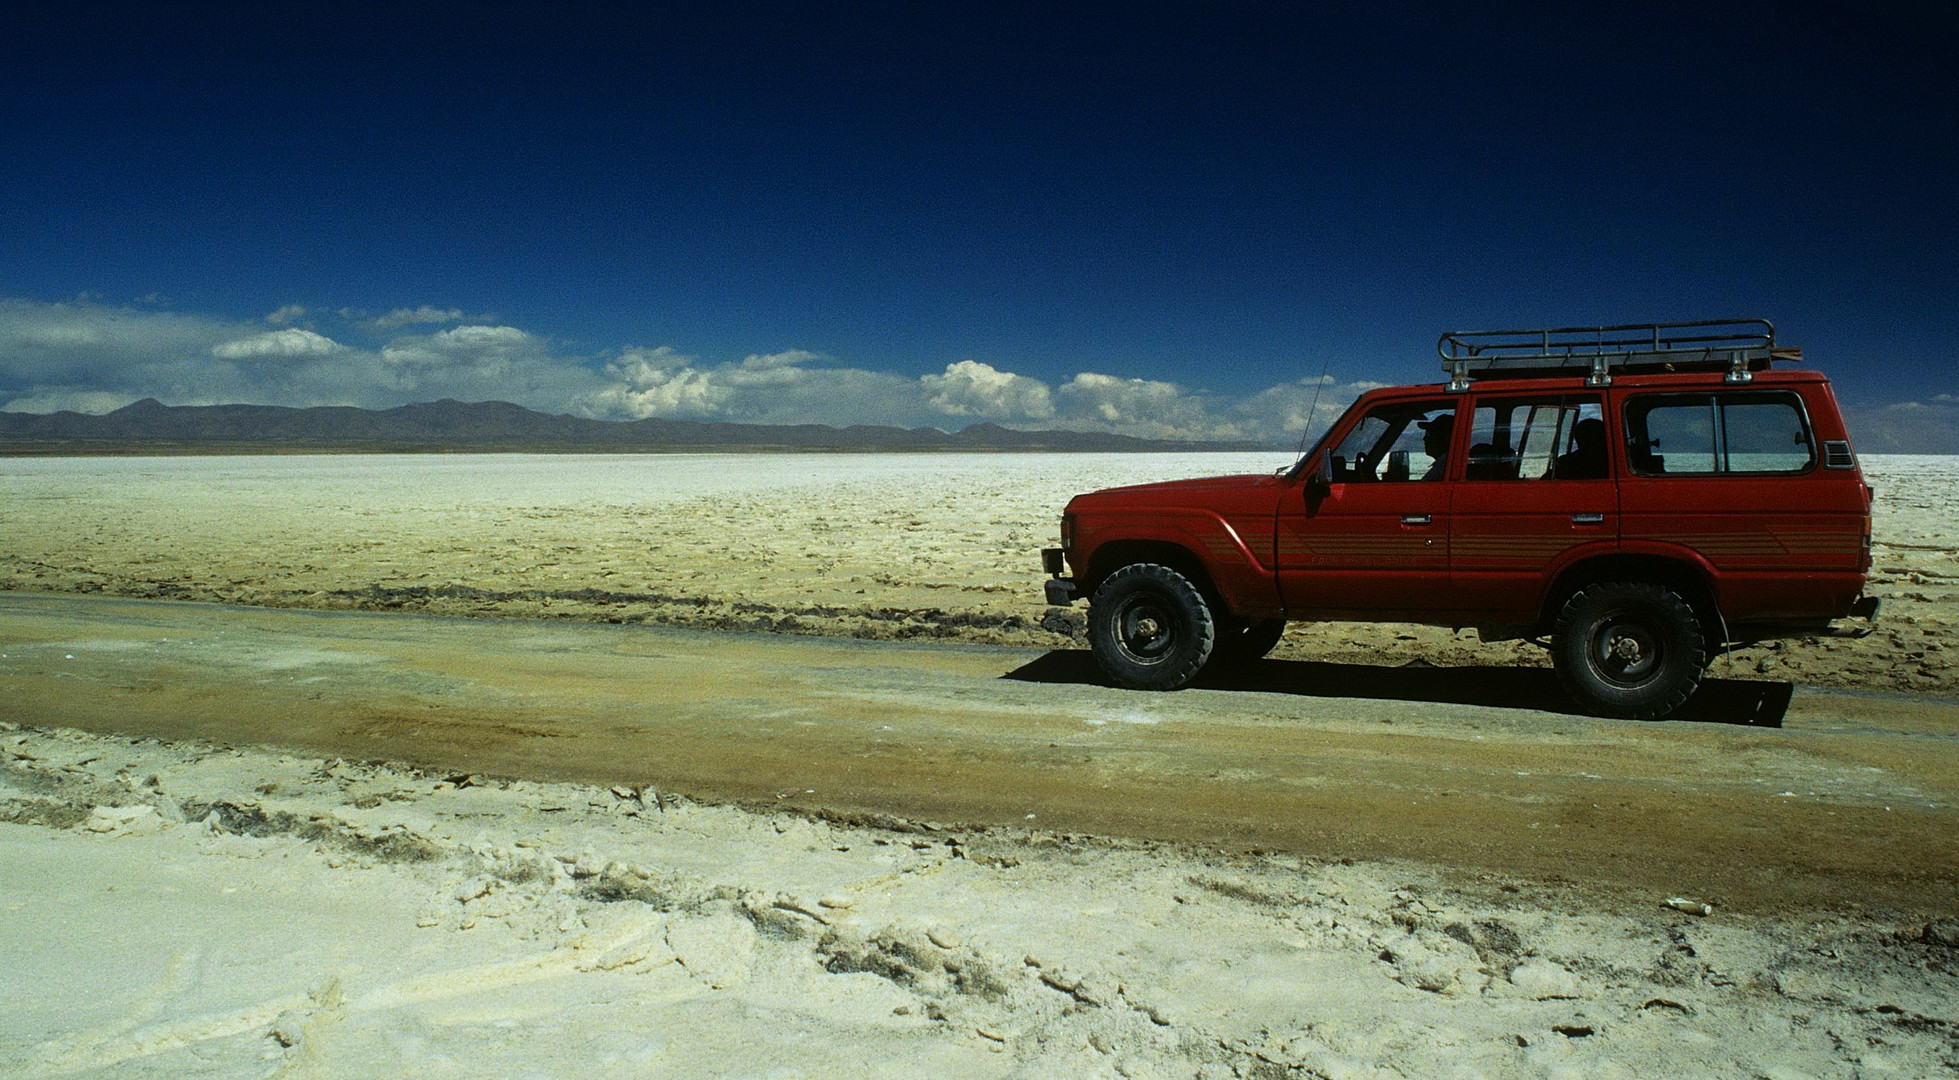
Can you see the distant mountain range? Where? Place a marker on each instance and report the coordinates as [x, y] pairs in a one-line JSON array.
[[149, 426]]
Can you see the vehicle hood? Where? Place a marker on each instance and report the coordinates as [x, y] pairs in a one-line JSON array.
[[1196, 492]]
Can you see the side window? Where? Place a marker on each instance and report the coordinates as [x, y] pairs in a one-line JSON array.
[[1395, 442], [1765, 436], [1561, 438], [1671, 436], [1703, 434]]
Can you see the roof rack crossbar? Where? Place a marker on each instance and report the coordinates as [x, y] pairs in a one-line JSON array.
[[1738, 346]]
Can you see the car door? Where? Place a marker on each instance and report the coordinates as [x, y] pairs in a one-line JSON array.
[[1537, 484], [1374, 543]]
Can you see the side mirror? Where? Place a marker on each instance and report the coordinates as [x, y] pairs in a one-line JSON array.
[[1321, 480]]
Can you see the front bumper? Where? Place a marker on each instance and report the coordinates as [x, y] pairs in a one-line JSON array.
[[1061, 591]]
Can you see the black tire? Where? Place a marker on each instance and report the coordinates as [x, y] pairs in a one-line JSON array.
[[1245, 641], [1628, 649], [1150, 628]]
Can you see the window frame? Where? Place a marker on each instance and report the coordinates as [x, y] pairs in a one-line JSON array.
[[1560, 400], [1717, 402], [1410, 406]]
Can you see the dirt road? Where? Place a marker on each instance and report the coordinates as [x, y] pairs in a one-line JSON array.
[[1760, 800]]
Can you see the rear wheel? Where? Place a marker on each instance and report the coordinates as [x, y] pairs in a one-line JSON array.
[[1150, 628], [1628, 648], [1243, 641]]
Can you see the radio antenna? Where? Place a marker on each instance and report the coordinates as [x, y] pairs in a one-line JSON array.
[[1313, 413]]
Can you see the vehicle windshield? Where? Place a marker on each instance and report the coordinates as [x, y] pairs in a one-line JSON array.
[[1299, 463]]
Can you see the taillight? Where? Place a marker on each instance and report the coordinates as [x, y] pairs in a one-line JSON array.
[[1068, 532]]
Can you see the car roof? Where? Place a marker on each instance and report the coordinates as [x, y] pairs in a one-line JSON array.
[[1575, 384]]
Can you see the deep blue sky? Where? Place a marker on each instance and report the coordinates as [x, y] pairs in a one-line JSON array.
[[1222, 196]]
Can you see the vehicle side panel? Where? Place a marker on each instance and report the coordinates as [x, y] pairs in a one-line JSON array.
[[1509, 540], [1230, 536], [1778, 546], [1365, 550]]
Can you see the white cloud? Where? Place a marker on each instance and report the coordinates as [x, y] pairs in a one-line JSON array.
[[480, 347], [476, 363], [660, 356], [840, 396], [765, 388], [799, 386], [84, 355], [480, 337], [402, 316], [276, 344], [287, 315], [62, 335], [657, 382], [1908, 427], [97, 402], [786, 359], [91, 357], [1113, 399], [1292, 410], [972, 388], [1145, 407], [46, 339]]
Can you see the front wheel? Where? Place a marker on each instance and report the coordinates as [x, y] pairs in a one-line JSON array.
[[1150, 628], [1628, 648], [1245, 641]]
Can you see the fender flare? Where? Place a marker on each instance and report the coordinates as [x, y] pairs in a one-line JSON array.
[[1231, 573], [1637, 557]]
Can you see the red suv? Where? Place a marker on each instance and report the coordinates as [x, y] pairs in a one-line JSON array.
[[1639, 498]]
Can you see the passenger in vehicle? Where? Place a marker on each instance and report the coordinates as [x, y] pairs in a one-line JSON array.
[[1586, 461], [1491, 461], [1435, 443]]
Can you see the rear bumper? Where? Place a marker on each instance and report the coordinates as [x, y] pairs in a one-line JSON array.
[[1060, 591], [1865, 609]]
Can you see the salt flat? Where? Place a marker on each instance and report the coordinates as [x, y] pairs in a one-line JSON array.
[[184, 909], [192, 903], [864, 545]]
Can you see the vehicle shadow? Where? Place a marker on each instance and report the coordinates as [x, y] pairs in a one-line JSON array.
[[1742, 702]]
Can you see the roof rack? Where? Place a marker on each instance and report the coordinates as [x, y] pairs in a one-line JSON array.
[[1740, 347]]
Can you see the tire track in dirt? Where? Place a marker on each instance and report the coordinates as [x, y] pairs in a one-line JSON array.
[[1849, 802]]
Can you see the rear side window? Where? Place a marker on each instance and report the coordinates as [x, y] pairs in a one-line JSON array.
[[1556, 438], [1707, 434]]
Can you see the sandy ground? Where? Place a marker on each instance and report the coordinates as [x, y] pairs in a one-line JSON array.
[[184, 901], [1757, 799], [874, 546], [186, 910]]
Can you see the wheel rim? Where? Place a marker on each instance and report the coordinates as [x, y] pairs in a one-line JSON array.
[[1625, 651], [1146, 632]]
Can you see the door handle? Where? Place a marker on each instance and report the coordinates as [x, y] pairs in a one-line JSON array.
[[1415, 519], [1588, 519]]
